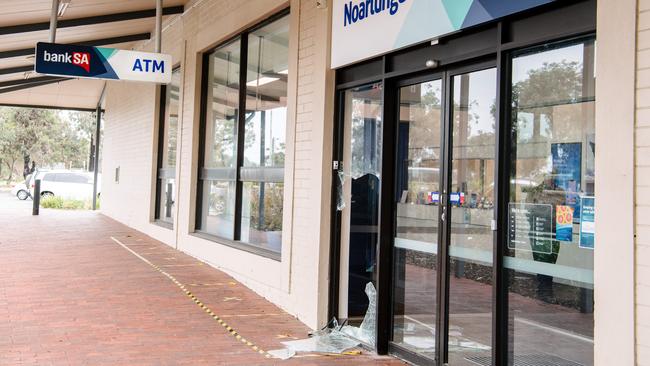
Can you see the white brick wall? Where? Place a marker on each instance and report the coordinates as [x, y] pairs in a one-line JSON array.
[[642, 184], [298, 283]]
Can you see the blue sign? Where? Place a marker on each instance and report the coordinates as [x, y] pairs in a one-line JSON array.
[[587, 223], [567, 172], [102, 63]]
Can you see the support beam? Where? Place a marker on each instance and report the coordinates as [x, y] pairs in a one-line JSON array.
[[94, 42], [40, 106], [108, 18], [53, 20], [16, 69], [39, 79], [158, 25], [32, 85], [98, 130]]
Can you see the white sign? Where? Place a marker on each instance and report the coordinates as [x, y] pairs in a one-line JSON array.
[[362, 29], [102, 63]]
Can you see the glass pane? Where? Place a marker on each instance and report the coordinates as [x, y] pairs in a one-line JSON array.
[[416, 242], [472, 210], [360, 197], [221, 140], [166, 200], [222, 108], [170, 129], [169, 136], [218, 216], [266, 94], [551, 211], [262, 215], [265, 132]]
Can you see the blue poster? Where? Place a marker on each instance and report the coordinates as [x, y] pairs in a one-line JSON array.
[[567, 173], [587, 223]]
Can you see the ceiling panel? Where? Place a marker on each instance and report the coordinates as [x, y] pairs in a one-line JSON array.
[[78, 93], [35, 11], [77, 34]]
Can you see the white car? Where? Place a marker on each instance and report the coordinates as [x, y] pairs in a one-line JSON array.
[[21, 191], [66, 184]]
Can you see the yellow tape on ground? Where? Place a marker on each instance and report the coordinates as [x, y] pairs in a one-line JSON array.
[[189, 294]]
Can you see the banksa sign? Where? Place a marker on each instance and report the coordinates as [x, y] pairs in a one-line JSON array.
[[102, 63]]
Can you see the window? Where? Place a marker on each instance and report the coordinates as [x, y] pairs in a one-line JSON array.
[[49, 177], [241, 176], [167, 142], [71, 178], [551, 227]]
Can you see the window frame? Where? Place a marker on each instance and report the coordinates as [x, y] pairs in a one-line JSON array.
[[257, 172], [162, 118]]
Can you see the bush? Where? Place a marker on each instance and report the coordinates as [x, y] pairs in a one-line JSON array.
[[60, 203], [52, 202]]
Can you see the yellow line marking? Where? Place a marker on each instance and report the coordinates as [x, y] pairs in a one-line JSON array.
[[189, 294]]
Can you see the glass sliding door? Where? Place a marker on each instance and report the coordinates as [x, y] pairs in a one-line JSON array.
[[443, 244], [550, 248], [471, 202], [416, 241]]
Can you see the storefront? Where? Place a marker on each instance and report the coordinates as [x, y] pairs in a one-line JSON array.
[[464, 183]]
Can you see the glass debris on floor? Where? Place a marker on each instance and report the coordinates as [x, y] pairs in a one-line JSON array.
[[335, 338], [366, 331]]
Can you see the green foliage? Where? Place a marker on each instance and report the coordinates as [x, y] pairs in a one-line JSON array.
[[52, 202], [45, 136], [60, 203]]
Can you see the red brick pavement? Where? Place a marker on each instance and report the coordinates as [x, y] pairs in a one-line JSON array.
[[69, 295]]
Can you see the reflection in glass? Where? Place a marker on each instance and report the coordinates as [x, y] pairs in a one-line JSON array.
[[218, 173], [169, 136], [219, 213], [361, 181], [550, 238], [265, 134], [416, 239], [262, 219], [472, 211]]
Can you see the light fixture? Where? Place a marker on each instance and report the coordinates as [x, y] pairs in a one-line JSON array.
[[284, 72], [261, 81], [63, 6]]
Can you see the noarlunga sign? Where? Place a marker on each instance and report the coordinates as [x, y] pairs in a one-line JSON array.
[[362, 29], [102, 63]]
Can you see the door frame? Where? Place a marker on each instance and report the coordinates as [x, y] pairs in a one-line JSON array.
[[446, 75], [495, 41]]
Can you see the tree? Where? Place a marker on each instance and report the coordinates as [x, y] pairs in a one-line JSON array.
[[45, 137]]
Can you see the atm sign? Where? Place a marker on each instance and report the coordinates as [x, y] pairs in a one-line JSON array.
[[102, 63]]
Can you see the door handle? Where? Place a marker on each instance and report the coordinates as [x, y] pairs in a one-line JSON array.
[[444, 214]]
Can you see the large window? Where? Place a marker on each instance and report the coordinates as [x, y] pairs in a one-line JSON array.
[[241, 177], [551, 210], [167, 142]]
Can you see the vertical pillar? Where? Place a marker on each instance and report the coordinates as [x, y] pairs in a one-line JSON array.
[[53, 20], [98, 113]]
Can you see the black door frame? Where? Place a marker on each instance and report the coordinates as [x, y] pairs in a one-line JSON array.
[[444, 233], [496, 41]]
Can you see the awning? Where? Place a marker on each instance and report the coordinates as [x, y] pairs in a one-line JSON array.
[[110, 23]]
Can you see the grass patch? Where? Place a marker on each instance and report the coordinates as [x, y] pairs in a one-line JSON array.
[[60, 203]]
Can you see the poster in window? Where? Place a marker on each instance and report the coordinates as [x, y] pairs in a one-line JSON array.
[[567, 172], [587, 223], [564, 223]]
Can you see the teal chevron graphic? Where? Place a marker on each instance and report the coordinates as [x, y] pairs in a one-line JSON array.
[[457, 10]]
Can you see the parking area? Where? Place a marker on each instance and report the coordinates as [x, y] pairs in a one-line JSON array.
[[81, 289]]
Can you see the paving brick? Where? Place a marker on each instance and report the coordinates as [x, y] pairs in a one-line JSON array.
[[70, 295]]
